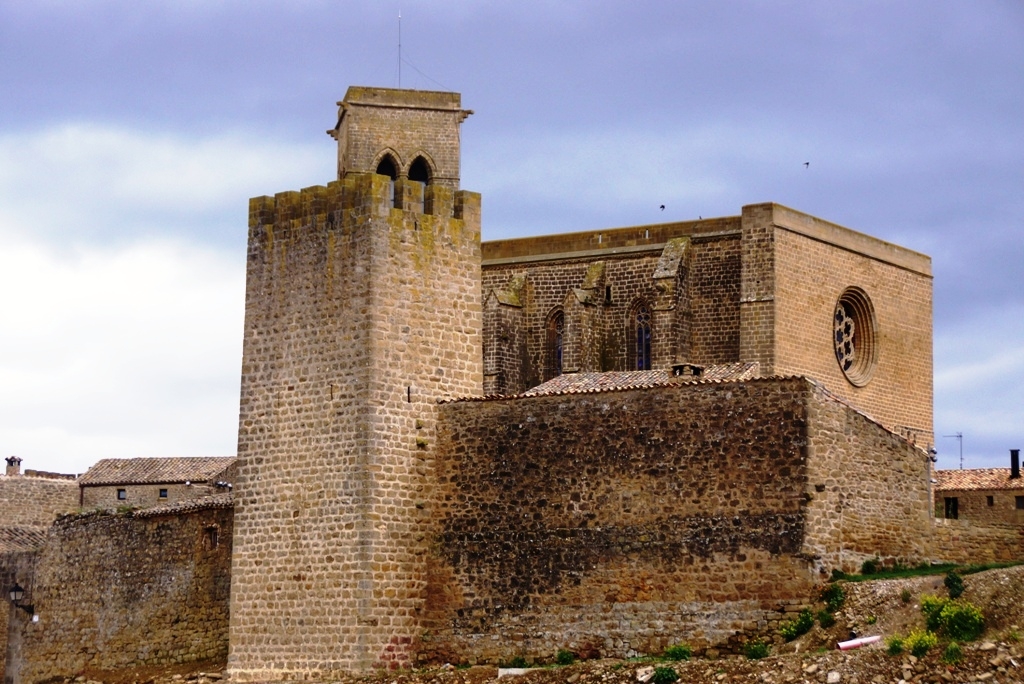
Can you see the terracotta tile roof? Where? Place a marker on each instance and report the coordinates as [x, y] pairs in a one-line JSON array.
[[119, 471], [21, 538], [225, 500], [976, 478], [578, 383]]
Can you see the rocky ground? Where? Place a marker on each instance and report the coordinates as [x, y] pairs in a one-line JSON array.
[[876, 607]]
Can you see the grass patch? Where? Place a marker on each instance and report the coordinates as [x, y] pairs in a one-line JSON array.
[[923, 570], [565, 657], [757, 649], [791, 629], [664, 675], [678, 652]]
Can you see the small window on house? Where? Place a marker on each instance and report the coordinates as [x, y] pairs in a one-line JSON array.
[[122, 494], [952, 508], [1019, 503], [163, 493], [990, 500], [210, 537]]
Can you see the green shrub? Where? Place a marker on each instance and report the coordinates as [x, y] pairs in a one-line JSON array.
[[954, 583], [894, 645], [962, 620], [756, 649], [678, 652], [833, 597], [869, 567], [664, 675], [919, 642], [826, 619], [905, 596], [871, 619], [565, 657], [932, 607], [1013, 636], [518, 661], [953, 654], [791, 629]]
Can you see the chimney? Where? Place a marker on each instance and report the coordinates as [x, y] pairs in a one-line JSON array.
[[13, 465], [1014, 464]]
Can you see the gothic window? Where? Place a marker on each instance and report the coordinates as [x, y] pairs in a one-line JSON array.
[[387, 167], [642, 338], [853, 329], [419, 171], [556, 337]]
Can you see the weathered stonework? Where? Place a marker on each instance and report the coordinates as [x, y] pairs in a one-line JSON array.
[[116, 591], [359, 317], [616, 523]]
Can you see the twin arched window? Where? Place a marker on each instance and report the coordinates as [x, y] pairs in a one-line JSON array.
[[419, 171]]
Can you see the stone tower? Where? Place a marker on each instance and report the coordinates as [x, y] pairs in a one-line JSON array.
[[362, 311]]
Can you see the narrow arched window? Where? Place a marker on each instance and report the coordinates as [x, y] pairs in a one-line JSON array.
[[642, 330], [556, 336], [419, 171], [387, 167]]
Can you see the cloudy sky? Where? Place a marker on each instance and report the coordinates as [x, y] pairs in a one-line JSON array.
[[132, 135]]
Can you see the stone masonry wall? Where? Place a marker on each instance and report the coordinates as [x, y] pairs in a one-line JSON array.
[[119, 591], [616, 523], [36, 501], [811, 274], [963, 541], [16, 566], [143, 495], [359, 317], [973, 505], [705, 314], [867, 489]]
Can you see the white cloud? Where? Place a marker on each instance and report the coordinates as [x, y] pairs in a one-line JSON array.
[[979, 387], [115, 352], [121, 311], [80, 181]]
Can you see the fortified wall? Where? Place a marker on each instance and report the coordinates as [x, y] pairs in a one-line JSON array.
[[617, 523], [114, 591]]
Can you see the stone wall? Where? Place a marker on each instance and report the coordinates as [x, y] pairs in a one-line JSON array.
[[815, 262], [688, 275], [867, 491], [143, 495], [963, 541], [112, 591], [15, 567], [36, 499], [616, 523], [359, 317], [983, 507]]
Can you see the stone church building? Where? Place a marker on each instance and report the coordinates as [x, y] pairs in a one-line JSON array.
[[601, 441], [467, 452]]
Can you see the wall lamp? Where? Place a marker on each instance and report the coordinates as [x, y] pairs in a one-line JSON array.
[[17, 593]]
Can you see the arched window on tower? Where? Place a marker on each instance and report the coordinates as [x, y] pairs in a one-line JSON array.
[[642, 338], [387, 167], [556, 336], [419, 171]]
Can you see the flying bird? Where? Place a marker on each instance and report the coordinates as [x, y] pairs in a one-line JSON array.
[[807, 165], [663, 207]]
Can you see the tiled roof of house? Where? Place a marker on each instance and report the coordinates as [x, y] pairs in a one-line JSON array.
[[578, 383], [975, 479], [21, 538], [121, 471], [225, 500]]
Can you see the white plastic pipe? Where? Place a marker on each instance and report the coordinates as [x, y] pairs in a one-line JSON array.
[[857, 643]]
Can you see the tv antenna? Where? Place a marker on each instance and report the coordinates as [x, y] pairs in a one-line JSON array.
[[959, 436], [399, 47]]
